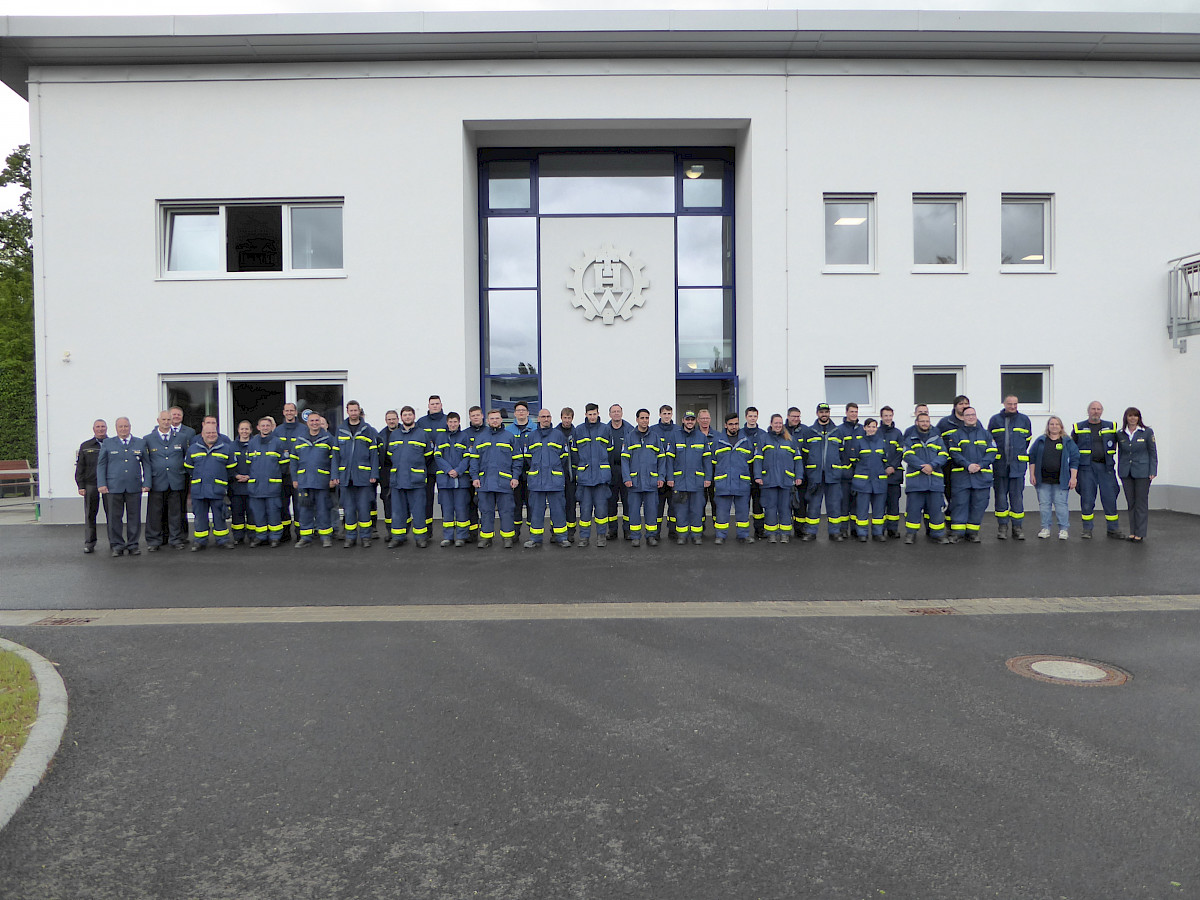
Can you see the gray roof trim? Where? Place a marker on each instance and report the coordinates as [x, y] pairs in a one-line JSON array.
[[27, 41]]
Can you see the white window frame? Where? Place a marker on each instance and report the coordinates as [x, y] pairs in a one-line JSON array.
[[1047, 373], [869, 268], [1046, 266], [167, 208], [225, 389], [960, 235], [870, 407], [938, 410]]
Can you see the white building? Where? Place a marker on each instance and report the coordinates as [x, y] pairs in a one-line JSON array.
[[895, 206]]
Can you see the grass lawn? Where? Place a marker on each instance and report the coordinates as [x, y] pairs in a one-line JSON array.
[[18, 706]]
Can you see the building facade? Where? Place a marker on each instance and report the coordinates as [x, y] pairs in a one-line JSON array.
[[704, 209]]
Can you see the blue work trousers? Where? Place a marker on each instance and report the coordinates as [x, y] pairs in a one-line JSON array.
[[777, 509], [408, 504], [870, 511], [456, 513], [491, 502], [266, 514], [920, 504], [312, 512], [538, 501], [740, 503], [831, 493], [967, 506], [1097, 478], [641, 512], [891, 512], [1010, 499], [202, 510], [357, 500], [593, 507], [689, 516]]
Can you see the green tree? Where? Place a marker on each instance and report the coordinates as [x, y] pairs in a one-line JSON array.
[[18, 422]]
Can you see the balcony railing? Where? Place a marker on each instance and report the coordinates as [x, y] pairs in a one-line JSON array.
[[1183, 299]]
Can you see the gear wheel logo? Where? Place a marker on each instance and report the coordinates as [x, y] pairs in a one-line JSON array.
[[608, 284]]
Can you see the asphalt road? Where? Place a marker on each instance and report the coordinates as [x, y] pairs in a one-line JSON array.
[[827, 758], [44, 568]]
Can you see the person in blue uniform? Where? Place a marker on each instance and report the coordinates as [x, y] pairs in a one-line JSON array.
[[1137, 464], [891, 433], [736, 465], [434, 421], [267, 454], [691, 478], [566, 424], [823, 474], [409, 448], [795, 427], [123, 473], [356, 471], [619, 429], [239, 488], [453, 484], [311, 469], [547, 460], [168, 480], [521, 427], [86, 458], [495, 470], [782, 472], [873, 460], [973, 453], [589, 460], [1096, 438], [925, 458], [288, 430], [850, 432], [644, 466], [757, 515], [1011, 430], [211, 462]]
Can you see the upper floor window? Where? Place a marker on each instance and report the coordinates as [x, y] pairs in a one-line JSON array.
[[937, 232], [1026, 233], [252, 238], [849, 232]]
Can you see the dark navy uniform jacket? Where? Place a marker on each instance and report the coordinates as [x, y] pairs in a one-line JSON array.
[[167, 472], [123, 468]]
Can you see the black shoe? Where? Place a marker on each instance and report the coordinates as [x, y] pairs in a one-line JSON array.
[[862, 538], [601, 540], [347, 543], [196, 548], [508, 543], [152, 548], [229, 546], [881, 538], [484, 543], [1087, 535], [653, 541], [364, 543], [697, 540], [637, 542], [1018, 534], [681, 541], [582, 543], [564, 543], [393, 544], [117, 553], [719, 541], [133, 551], [274, 544], [807, 536], [327, 542], [973, 539], [1116, 535], [910, 538], [89, 549], [838, 537], [422, 544], [460, 543]]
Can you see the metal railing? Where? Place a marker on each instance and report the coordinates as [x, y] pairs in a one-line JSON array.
[[1183, 299]]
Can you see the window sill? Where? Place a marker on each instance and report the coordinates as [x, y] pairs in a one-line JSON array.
[[849, 270], [1026, 270], [251, 276], [938, 270]]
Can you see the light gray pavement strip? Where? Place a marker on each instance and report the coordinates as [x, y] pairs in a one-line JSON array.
[[43, 740], [503, 612]]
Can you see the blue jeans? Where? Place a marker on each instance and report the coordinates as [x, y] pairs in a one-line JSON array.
[[1052, 498]]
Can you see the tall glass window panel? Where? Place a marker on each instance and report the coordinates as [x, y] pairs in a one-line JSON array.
[[705, 254], [592, 183], [847, 387], [197, 399], [512, 333], [508, 185], [848, 233], [705, 320], [511, 252], [703, 183], [194, 241], [503, 394], [254, 238], [935, 388], [316, 237], [1029, 386], [325, 399], [935, 232], [1023, 233]]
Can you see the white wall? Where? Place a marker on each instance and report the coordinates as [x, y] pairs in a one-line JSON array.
[[403, 322]]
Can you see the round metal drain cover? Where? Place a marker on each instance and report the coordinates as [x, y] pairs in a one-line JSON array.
[[1068, 670]]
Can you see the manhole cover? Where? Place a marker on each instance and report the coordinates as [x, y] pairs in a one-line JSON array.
[[1068, 670], [63, 621]]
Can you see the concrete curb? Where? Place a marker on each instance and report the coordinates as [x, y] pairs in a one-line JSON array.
[[45, 736]]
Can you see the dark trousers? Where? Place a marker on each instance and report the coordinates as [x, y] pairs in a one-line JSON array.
[[618, 491], [385, 491], [456, 514], [869, 513], [593, 507], [124, 513], [967, 505], [1137, 498], [666, 510], [831, 493], [430, 484], [1010, 499], [288, 514], [643, 507], [313, 513], [164, 507], [521, 508], [202, 509], [891, 512], [756, 507], [1098, 478], [920, 505], [740, 506], [239, 516], [538, 502], [572, 508], [91, 506], [409, 503], [357, 500], [777, 508], [491, 502], [264, 513]]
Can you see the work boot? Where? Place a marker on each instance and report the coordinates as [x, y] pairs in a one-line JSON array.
[[532, 545], [484, 543], [364, 543], [1002, 530], [347, 543], [881, 538], [698, 540], [583, 542], [681, 541], [973, 538], [862, 538], [422, 544], [508, 543], [808, 536], [784, 538], [910, 538], [719, 541], [601, 540], [1116, 535], [326, 542], [652, 541], [1018, 533], [459, 543], [774, 539], [636, 542]]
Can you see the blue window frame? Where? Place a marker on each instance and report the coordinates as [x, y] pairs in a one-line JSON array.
[[518, 188]]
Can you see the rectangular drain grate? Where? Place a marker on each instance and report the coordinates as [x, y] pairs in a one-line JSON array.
[[60, 621], [932, 611]]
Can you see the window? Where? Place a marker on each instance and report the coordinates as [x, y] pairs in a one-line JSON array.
[[849, 233], [846, 385], [937, 385], [232, 397], [1025, 233], [937, 232], [221, 240], [1030, 384]]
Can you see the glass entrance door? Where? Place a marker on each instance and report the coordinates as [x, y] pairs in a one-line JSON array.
[[254, 399], [324, 399]]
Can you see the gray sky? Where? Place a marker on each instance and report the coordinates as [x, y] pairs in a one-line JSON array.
[[14, 112]]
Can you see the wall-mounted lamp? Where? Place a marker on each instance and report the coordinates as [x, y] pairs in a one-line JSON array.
[[66, 357], [694, 171]]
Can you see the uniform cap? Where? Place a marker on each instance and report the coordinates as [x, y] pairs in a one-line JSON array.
[[821, 406], [689, 415]]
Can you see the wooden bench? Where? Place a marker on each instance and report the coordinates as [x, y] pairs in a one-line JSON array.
[[17, 478]]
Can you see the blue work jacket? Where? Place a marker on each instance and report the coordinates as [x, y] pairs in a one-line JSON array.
[[644, 461], [451, 456], [692, 460], [921, 449], [212, 468], [616, 439], [895, 437], [496, 459], [547, 459], [241, 488], [312, 459], [167, 470], [1081, 433], [1011, 432], [822, 453], [850, 433], [408, 450], [971, 444], [356, 455], [589, 456], [268, 458], [1138, 457], [870, 457], [782, 460], [735, 464]]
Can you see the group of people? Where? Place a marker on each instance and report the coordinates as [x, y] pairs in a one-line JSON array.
[[279, 481]]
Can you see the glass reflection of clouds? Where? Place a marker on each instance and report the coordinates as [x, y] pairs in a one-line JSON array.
[[1022, 234], [508, 185], [935, 233], [512, 332], [512, 252], [849, 388], [701, 250], [847, 244], [705, 330], [606, 183], [705, 188]]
